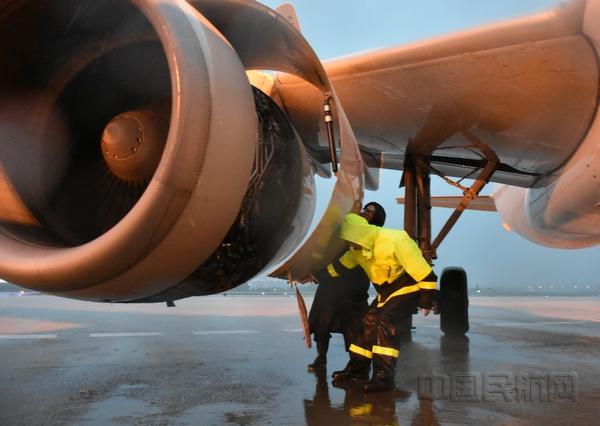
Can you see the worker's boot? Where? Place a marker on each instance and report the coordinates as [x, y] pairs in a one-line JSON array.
[[321, 359], [384, 371], [357, 369]]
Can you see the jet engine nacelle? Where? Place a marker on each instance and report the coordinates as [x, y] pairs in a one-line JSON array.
[[136, 161]]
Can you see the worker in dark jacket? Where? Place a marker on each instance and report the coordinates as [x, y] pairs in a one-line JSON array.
[[340, 303], [404, 280]]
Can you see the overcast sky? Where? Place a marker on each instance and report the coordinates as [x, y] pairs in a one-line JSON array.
[[478, 242]]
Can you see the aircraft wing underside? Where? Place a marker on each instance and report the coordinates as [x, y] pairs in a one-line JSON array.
[[527, 89]]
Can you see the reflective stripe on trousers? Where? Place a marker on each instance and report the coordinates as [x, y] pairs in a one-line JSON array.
[[376, 350], [383, 350], [360, 351]]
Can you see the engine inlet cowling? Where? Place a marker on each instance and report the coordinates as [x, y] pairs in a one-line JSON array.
[[122, 125], [128, 135]]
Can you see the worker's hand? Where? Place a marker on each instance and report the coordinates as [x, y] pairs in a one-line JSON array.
[[426, 312]]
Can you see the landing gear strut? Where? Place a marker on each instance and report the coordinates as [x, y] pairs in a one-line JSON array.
[[454, 301]]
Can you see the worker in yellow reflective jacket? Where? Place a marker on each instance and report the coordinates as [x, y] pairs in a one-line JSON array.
[[404, 281]]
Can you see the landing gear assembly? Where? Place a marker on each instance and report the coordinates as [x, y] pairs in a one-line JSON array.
[[453, 300]]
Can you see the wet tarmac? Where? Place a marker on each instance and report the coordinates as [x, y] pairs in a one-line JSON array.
[[241, 360]]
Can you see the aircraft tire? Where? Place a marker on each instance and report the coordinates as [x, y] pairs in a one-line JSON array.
[[454, 301]]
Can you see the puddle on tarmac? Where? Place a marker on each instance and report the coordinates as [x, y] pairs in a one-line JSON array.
[[223, 413], [119, 408]]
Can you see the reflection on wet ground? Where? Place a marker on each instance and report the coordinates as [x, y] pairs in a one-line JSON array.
[[388, 408], [108, 364], [361, 408]]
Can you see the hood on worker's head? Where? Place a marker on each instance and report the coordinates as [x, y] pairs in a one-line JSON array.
[[356, 229]]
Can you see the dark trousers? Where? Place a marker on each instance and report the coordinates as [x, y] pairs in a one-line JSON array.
[[383, 329], [352, 328]]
